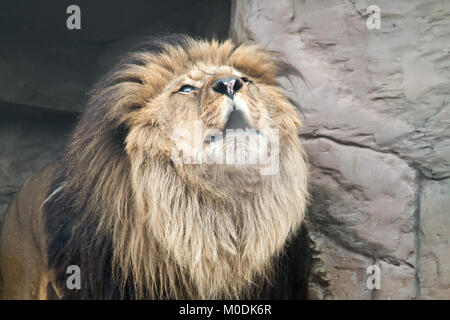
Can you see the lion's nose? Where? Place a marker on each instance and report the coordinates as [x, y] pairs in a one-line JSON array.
[[228, 86]]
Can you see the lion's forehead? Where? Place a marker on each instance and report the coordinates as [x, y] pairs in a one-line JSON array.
[[200, 72]]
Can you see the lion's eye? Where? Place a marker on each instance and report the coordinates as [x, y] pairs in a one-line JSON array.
[[245, 79], [186, 88]]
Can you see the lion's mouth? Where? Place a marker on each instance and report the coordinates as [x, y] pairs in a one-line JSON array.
[[236, 124], [236, 121]]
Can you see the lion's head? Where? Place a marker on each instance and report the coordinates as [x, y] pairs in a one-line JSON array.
[[150, 163]]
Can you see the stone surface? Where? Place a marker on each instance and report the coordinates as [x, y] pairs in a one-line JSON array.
[[369, 197], [398, 281], [434, 248], [336, 273], [375, 104], [366, 205], [391, 84]]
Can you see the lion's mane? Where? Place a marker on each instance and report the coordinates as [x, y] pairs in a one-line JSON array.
[[138, 230]]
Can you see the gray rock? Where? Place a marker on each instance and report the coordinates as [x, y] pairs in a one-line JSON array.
[[367, 199], [375, 105], [379, 88], [434, 247], [336, 273], [398, 281]]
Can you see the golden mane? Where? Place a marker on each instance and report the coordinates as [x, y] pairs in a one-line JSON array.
[[134, 226]]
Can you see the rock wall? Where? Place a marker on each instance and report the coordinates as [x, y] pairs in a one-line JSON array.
[[375, 104]]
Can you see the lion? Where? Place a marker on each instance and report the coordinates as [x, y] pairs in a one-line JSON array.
[[143, 209]]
